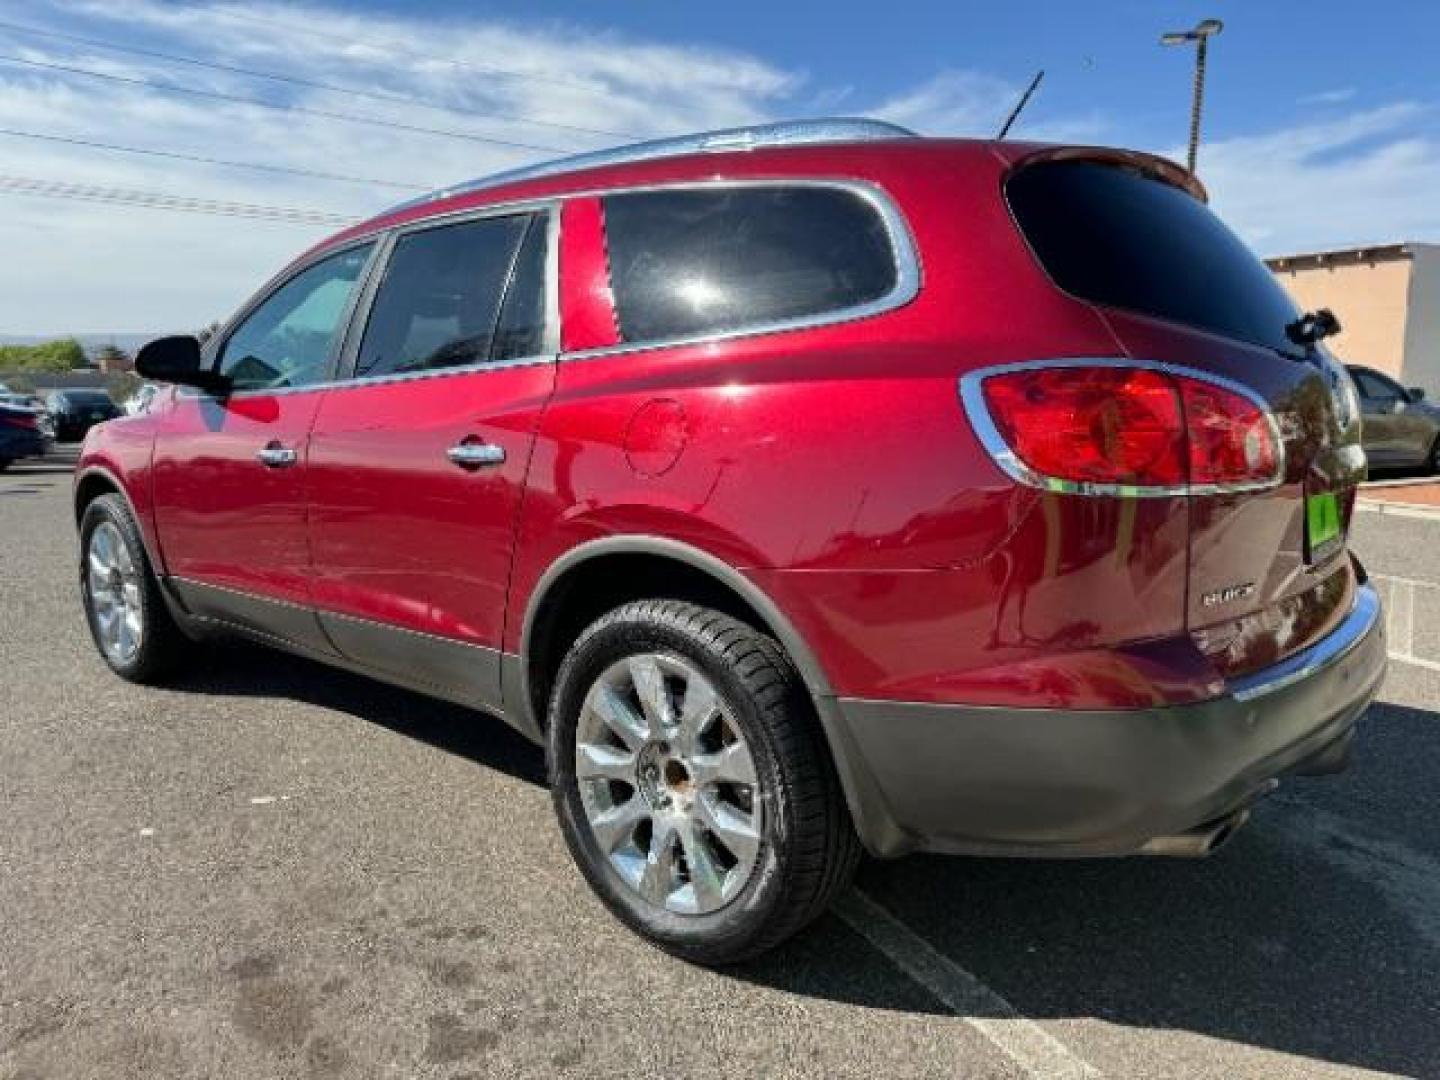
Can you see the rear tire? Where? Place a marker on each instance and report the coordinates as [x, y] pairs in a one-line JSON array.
[[768, 833], [5, 463], [1433, 462], [127, 616]]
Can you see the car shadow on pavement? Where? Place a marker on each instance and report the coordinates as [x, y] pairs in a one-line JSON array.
[[1315, 933], [241, 670]]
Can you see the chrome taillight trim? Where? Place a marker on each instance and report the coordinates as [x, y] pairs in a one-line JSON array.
[[977, 411]]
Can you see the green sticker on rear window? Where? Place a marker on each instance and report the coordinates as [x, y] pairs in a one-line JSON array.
[[1322, 518]]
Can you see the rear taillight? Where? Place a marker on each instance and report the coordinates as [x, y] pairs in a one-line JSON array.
[[29, 421], [1122, 428]]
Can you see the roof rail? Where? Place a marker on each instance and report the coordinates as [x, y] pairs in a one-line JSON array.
[[783, 133]]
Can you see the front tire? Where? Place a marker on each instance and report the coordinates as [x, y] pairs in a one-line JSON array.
[[693, 784], [132, 627]]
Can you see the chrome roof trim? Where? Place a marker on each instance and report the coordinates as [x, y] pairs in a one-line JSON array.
[[753, 137]]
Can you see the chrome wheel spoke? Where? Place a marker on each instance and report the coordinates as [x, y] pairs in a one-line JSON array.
[[657, 881], [707, 880], [594, 762], [616, 714], [731, 765], [615, 826], [649, 684], [730, 826], [697, 713]]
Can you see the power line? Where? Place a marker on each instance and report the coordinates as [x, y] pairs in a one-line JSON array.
[[295, 80], [177, 156], [156, 200], [305, 110], [392, 47]]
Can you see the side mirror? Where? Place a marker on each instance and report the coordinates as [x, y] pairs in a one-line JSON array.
[[1417, 393], [177, 360]]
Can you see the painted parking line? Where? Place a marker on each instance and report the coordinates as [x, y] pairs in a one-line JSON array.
[[1024, 1042], [1402, 597]]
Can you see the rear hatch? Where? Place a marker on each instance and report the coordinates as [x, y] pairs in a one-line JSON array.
[[1269, 571]]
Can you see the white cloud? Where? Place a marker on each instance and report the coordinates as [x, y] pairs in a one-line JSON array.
[[1366, 177], [1337, 96], [74, 266], [973, 104], [1363, 176]]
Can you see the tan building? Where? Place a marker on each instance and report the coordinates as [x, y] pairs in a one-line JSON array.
[[1387, 299]]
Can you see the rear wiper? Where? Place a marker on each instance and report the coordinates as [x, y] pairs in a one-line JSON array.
[[1313, 327]]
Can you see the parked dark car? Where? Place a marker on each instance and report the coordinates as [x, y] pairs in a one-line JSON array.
[[1401, 428], [74, 412], [802, 490], [24, 433]]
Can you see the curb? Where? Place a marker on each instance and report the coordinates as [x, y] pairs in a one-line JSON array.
[[1410, 510]]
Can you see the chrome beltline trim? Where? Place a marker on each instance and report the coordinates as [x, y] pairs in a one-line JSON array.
[[374, 380], [1329, 650], [972, 397]]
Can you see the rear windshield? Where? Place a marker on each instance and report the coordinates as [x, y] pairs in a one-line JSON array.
[[87, 397], [1114, 237]]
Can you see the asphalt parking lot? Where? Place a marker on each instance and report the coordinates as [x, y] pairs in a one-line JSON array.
[[274, 869]]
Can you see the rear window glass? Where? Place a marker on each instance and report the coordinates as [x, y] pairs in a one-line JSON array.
[[87, 397], [688, 262], [1114, 237]]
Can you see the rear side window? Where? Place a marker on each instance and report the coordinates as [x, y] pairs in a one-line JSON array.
[[692, 262], [439, 302], [1375, 386], [1114, 237], [521, 332]]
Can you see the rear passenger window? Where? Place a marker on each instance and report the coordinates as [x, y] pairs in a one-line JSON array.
[[689, 262], [439, 302]]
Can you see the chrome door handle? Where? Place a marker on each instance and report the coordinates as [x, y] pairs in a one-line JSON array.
[[474, 455], [276, 456]]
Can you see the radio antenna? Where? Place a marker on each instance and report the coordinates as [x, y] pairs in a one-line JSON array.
[[1020, 105]]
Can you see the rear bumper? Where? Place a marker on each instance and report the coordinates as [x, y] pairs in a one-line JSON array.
[[987, 780], [19, 443]]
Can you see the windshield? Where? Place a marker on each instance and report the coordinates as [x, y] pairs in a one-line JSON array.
[[1112, 236]]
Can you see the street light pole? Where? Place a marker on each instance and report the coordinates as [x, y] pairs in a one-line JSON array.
[[1201, 36]]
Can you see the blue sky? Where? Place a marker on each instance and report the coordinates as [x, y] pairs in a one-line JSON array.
[[1322, 126]]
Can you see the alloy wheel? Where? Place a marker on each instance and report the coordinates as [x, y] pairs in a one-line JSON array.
[[668, 784], [113, 584]]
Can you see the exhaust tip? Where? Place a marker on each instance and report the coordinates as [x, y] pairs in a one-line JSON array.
[[1198, 842]]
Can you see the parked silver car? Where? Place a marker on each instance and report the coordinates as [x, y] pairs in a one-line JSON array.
[[1400, 428]]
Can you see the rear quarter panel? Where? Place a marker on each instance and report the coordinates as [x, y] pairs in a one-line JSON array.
[[834, 466]]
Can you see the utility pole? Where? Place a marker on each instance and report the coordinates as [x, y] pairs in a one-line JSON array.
[[1201, 36]]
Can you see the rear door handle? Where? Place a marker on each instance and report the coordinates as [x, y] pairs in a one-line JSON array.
[[275, 456], [475, 455]]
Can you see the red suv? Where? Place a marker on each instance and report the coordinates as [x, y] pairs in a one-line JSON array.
[[805, 490]]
